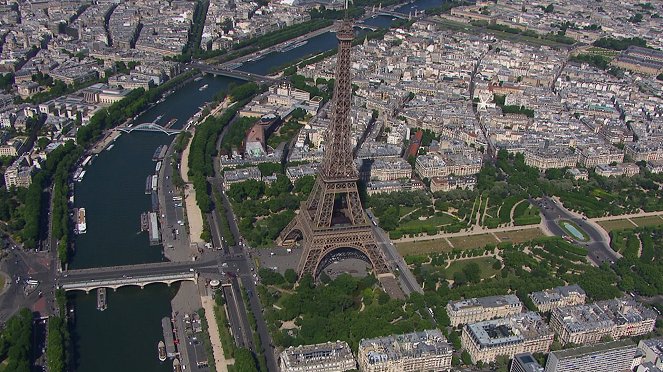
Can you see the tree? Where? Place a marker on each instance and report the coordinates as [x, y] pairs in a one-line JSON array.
[[466, 358], [290, 276], [244, 361], [473, 272]]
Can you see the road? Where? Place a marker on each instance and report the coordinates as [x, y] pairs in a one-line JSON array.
[[244, 264], [598, 247], [405, 277]]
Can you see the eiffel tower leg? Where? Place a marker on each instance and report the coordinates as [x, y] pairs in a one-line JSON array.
[[285, 237]]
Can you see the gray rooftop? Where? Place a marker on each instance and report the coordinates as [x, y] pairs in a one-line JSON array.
[[304, 355], [527, 363], [595, 349], [511, 330], [409, 345], [556, 294], [490, 301]]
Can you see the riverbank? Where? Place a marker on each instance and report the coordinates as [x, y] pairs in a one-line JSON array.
[[220, 360], [105, 141]]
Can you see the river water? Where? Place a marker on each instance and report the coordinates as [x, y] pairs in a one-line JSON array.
[[125, 336]]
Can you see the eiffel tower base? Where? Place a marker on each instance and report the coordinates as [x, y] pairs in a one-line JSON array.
[[320, 245]]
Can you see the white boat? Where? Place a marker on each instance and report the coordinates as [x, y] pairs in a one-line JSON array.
[[110, 147], [158, 118], [203, 87], [81, 225], [80, 177], [161, 347]]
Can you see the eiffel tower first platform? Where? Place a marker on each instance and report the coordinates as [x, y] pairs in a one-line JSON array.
[[332, 220]]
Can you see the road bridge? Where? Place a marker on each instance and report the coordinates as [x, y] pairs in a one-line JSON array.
[[137, 275], [218, 70], [149, 127]]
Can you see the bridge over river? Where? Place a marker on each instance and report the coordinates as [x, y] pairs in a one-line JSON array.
[[219, 70], [138, 275], [149, 127]]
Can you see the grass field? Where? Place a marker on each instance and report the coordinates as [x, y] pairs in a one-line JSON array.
[[616, 224], [421, 247], [520, 236], [472, 241], [648, 221], [432, 221], [486, 264]]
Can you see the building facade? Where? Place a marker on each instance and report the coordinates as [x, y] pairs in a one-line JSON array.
[[483, 308], [327, 357], [418, 351], [588, 324], [615, 356], [522, 333], [558, 297]]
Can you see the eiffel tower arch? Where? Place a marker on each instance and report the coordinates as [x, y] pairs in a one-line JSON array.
[[332, 220]]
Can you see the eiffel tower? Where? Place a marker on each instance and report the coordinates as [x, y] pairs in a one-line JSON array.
[[332, 220]]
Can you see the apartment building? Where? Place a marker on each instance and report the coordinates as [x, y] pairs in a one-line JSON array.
[[522, 333], [558, 297], [652, 351], [525, 362], [326, 357], [418, 351], [390, 169], [614, 356], [588, 324], [240, 175], [439, 165], [483, 308]]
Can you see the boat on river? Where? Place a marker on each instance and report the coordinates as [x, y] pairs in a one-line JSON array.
[[81, 225], [162, 351], [203, 87], [177, 366], [102, 303]]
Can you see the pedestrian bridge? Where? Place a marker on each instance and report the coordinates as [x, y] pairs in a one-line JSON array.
[[150, 127], [141, 281]]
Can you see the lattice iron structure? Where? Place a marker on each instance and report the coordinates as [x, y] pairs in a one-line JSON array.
[[333, 218]]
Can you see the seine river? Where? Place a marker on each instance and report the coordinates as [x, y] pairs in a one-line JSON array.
[[125, 336]]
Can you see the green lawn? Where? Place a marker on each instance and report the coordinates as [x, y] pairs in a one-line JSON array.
[[405, 210], [421, 247], [648, 221], [432, 221], [520, 236], [472, 241], [621, 224], [486, 264]]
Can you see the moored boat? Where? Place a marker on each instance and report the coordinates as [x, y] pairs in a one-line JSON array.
[[162, 351]]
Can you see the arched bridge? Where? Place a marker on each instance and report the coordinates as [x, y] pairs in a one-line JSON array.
[[150, 127], [132, 275], [218, 70], [394, 14]]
